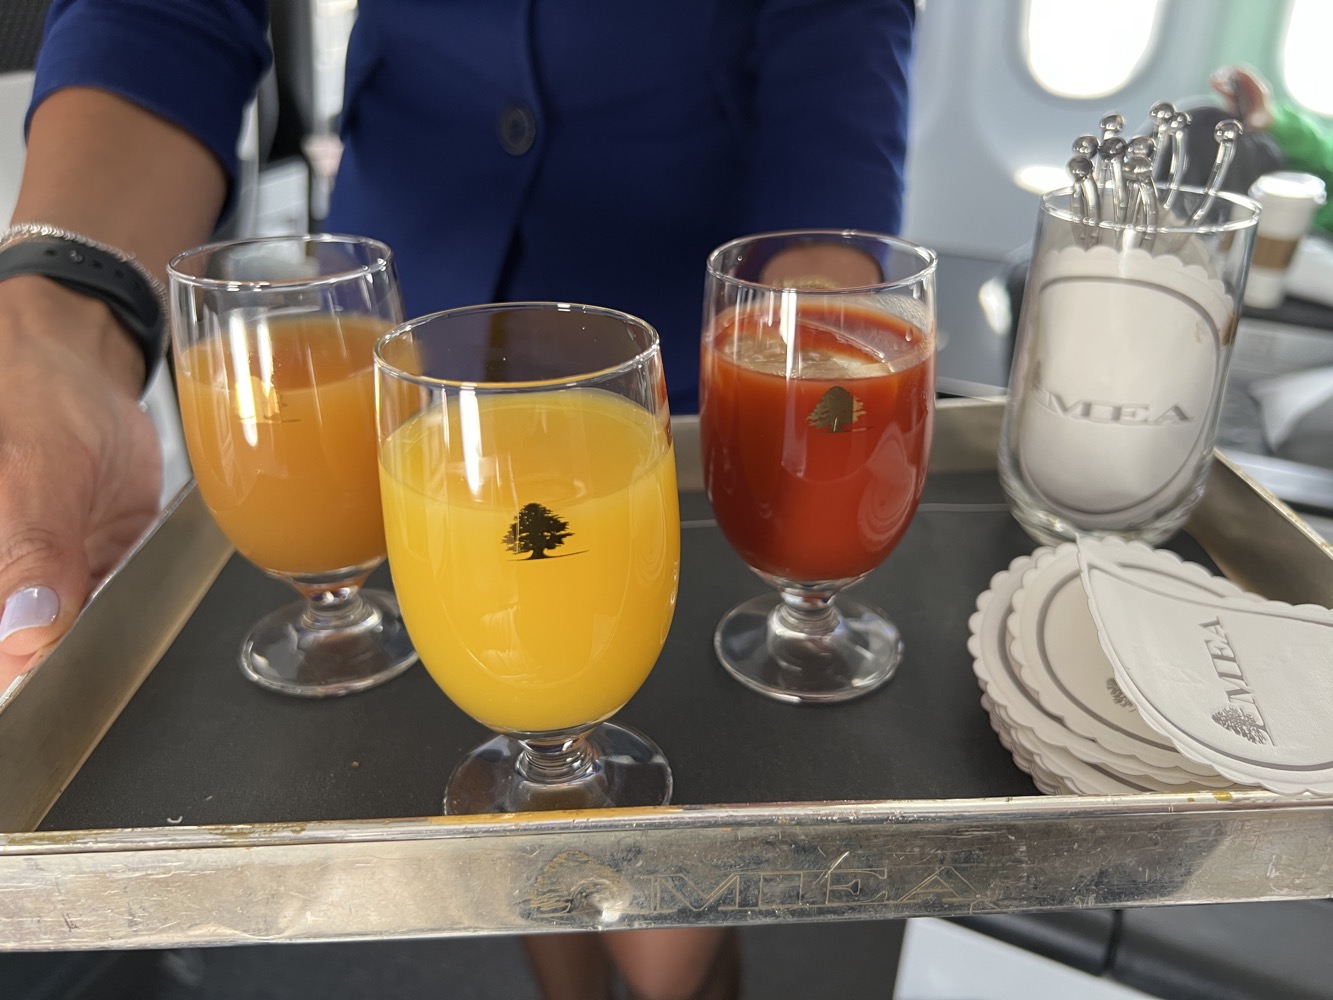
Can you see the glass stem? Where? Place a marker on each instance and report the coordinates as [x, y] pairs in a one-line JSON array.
[[807, 613], [555, 760], [338, 608]]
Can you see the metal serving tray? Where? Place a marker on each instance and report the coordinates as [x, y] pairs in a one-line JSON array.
[[154, 797]]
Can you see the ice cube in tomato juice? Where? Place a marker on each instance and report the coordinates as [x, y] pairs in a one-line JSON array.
[[815, 446]]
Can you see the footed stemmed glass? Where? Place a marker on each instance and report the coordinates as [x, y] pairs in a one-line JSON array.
[[274, 351], [533, 527], [816, 406]]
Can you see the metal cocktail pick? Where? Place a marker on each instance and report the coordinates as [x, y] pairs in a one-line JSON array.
[[1142, 187], [1141, 145], [1086, 200], [1112, 154], [1180, 122], [1227, 133], [1144, 213], [1087, 145], [1111, 125], [1161, 115], [1116, 180]]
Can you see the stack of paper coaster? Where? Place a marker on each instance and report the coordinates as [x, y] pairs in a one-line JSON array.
[[1167, 678]]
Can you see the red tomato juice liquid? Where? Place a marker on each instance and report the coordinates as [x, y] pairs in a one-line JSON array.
[[816, 476]]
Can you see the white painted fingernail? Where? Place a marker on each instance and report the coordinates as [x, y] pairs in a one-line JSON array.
[[31, 607]]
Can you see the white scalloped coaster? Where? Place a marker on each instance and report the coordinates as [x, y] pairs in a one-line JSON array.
[[1046, 783], [1240, 684], [1077, 764], [1055, 646], [1003, 689]]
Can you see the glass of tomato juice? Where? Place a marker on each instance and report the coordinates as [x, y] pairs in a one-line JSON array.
[[530, 507], [274, 351], [817, 400]]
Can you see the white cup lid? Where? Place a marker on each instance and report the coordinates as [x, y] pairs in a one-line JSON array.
[[1289, 184]]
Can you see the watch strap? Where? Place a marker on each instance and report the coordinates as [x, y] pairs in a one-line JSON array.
[[122, 283]]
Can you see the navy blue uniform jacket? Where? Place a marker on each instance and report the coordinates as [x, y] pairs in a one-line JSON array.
[[582, 150]]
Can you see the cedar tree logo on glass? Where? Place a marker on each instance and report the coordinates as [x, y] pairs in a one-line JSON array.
[[836, 411], [535, 530]]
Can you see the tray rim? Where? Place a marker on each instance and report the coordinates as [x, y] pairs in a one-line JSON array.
[[75, 873]]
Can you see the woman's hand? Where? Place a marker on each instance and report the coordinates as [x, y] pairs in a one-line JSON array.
[[80, 462]]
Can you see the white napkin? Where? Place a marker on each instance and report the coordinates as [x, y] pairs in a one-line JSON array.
[[1284, 399], [1311, 273], [1241, 684]]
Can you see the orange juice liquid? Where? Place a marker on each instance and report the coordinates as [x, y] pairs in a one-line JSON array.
[[282, 440], [534, 541]]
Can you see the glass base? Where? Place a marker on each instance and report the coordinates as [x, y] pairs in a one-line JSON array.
[[284, 654], [1049, 526], [853, 658], [625, 768]]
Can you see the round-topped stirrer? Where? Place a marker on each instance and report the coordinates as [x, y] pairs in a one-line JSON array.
[[1086, 145], [1141, 145], [1227, 133], [1180, 122], [1143, 194], [1112, 152], [1144, 147], [1111, 125], [1085, 199], [1160, 114]]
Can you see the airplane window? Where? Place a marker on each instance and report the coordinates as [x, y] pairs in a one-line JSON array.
[[1081, 50], [1305, 55], [1040, 177]]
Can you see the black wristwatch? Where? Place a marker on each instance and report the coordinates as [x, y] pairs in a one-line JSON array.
[[135, 297]]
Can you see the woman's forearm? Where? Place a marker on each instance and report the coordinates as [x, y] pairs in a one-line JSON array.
[[104, 167]]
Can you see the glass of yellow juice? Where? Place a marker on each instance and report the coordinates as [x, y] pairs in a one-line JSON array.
[[533, 527], [274, 355]]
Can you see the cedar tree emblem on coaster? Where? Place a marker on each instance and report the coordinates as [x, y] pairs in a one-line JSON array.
[[836, 410], [1242, 723], [1117, 694], [536, 529]]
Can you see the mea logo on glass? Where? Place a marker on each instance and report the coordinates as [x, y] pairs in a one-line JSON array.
[[1102, 411]]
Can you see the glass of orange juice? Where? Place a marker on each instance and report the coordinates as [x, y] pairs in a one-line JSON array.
[[273, 341], [533, 528]]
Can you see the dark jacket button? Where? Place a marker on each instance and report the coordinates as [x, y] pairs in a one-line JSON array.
[[518, 129]]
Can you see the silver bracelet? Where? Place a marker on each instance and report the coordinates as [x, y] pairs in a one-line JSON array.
[[23, 230]]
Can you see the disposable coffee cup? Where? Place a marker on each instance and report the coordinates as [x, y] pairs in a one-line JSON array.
[[1289, 200]]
